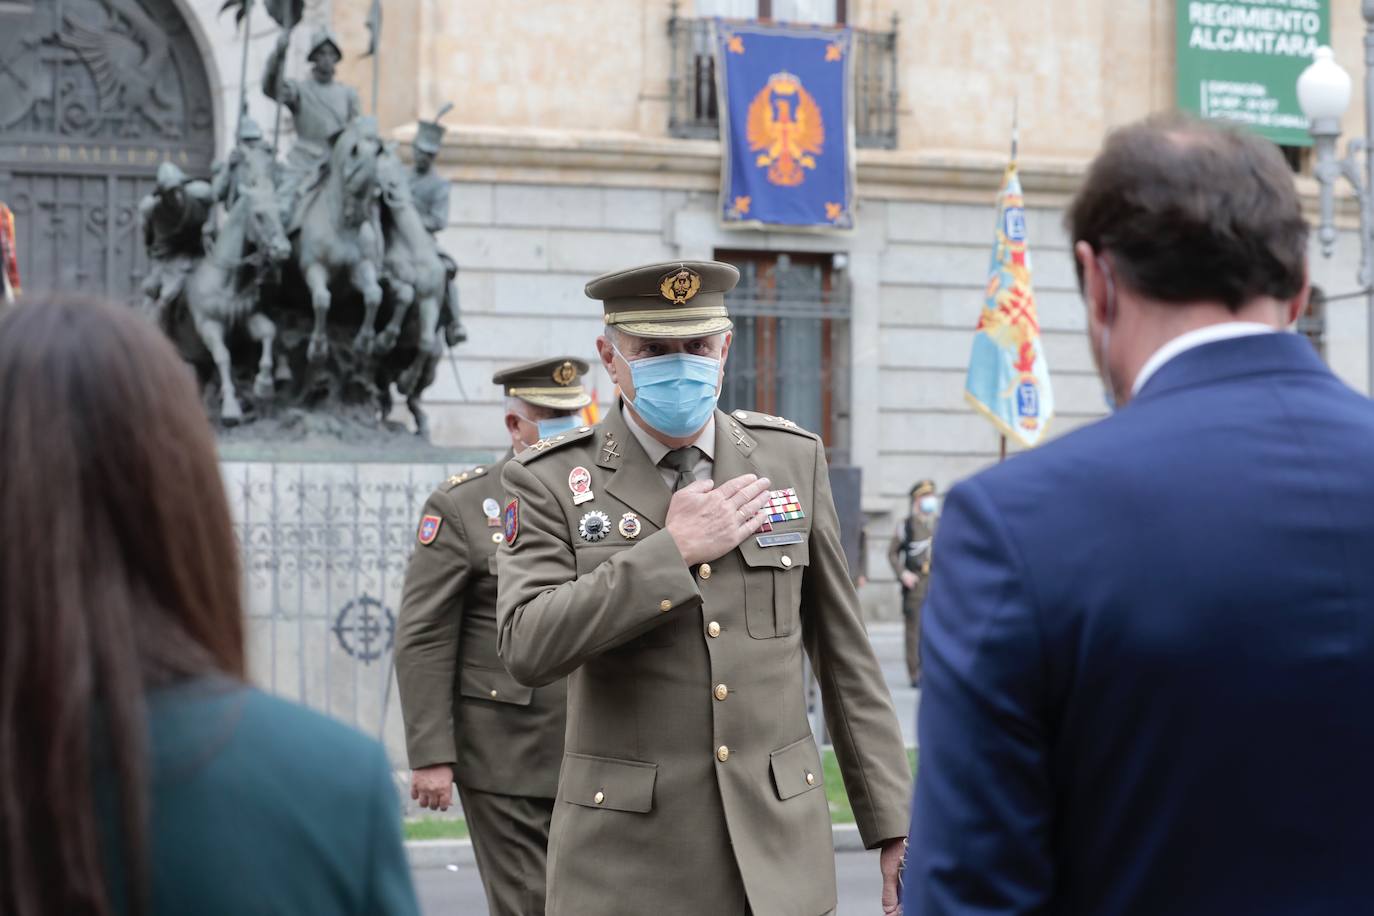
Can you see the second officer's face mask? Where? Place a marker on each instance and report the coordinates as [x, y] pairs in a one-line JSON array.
[[674, 393]]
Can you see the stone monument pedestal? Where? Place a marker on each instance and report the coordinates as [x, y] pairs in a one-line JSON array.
[[325, 532]]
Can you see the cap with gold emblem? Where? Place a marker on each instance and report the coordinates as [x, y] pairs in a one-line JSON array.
[[922, 488], [555, 383], [672, 299]]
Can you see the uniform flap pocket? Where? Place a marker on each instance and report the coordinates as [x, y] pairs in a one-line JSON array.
[[796, 768], [782, 556], [494, 685], [604, 782]]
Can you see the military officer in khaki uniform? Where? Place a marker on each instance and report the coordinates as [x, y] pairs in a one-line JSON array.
[[909, 555], [466, 719], [674, 562]]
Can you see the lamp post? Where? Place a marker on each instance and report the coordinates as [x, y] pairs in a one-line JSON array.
[[1324, 94]]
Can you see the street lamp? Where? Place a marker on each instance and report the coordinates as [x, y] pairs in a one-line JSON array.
[[1324, 94]]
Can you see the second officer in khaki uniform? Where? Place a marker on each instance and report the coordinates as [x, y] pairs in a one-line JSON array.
[[466, 719], [638, 566]]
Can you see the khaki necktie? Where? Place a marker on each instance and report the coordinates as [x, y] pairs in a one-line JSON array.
[[684, 462]]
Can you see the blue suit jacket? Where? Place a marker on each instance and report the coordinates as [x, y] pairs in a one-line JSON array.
[[1149, 657]]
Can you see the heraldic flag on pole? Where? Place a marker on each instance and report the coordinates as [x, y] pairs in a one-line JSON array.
[[1008, 378], [786, 138]]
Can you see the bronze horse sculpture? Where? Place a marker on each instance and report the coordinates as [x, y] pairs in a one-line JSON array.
[[337, 233], [411, 268], [223, 288], [413, 275]]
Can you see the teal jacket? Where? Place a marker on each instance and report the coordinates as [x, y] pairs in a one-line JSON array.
[[259, 806]]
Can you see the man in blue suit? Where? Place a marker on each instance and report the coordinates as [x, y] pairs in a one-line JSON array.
[[1149, 648]]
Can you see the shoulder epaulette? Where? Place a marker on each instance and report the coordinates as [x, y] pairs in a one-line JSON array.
[[544, 446], [459, 479], [757, 420]]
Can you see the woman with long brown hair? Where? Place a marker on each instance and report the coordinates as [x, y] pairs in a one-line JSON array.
[[138, 771]]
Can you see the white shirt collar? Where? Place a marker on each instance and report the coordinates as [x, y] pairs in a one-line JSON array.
[[1227, 330], [705, 440]]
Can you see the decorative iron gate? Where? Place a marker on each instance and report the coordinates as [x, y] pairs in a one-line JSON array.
[[94, 94]]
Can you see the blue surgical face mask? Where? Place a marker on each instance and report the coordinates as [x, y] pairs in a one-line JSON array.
[[552, 427], [676, 393], [929, 504]]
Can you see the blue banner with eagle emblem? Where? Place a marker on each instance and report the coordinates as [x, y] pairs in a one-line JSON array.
[[1008, 378], [785, 123]]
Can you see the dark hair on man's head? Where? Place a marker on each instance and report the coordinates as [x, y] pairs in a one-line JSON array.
[[1193, 211], [118, 571]]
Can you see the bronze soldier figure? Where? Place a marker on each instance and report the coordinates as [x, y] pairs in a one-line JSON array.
[[173, 217], [226, 179], [320, 109], [431, 194]]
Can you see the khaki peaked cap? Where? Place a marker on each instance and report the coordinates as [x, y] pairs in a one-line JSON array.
[[670, 299], [555, 383]]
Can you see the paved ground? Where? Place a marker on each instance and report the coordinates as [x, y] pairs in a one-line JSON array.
[[457, 891]]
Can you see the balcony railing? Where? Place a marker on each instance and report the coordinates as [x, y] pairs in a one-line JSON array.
[[693, 107]]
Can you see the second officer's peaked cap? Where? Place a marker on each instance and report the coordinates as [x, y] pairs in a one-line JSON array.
[[555, 383]]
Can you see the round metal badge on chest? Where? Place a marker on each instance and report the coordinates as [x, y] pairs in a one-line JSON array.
[[594, 526]]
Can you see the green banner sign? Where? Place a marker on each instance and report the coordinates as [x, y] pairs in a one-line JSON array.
[[1240, 61]]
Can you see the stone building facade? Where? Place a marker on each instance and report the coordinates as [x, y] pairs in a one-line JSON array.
[[575, 146]]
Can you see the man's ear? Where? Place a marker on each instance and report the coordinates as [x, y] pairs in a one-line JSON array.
[[1295, 307], [1095, 293], [607, 355]]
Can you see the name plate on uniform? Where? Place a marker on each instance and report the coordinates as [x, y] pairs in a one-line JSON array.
[[780, 540]]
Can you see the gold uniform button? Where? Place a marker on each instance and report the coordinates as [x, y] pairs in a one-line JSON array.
[[705, 571], [599, 797], [722, 753], [787, 562], [810, 779], [722, 691], [713, 629], [665, 605], [493, 694], [497, 538], [741, 414]]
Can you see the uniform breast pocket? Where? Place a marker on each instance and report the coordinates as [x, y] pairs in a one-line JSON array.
[[772, 587]]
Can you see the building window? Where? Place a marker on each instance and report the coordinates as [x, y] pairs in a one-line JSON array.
[[1312, 323], [693, 109], [790, 352]]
